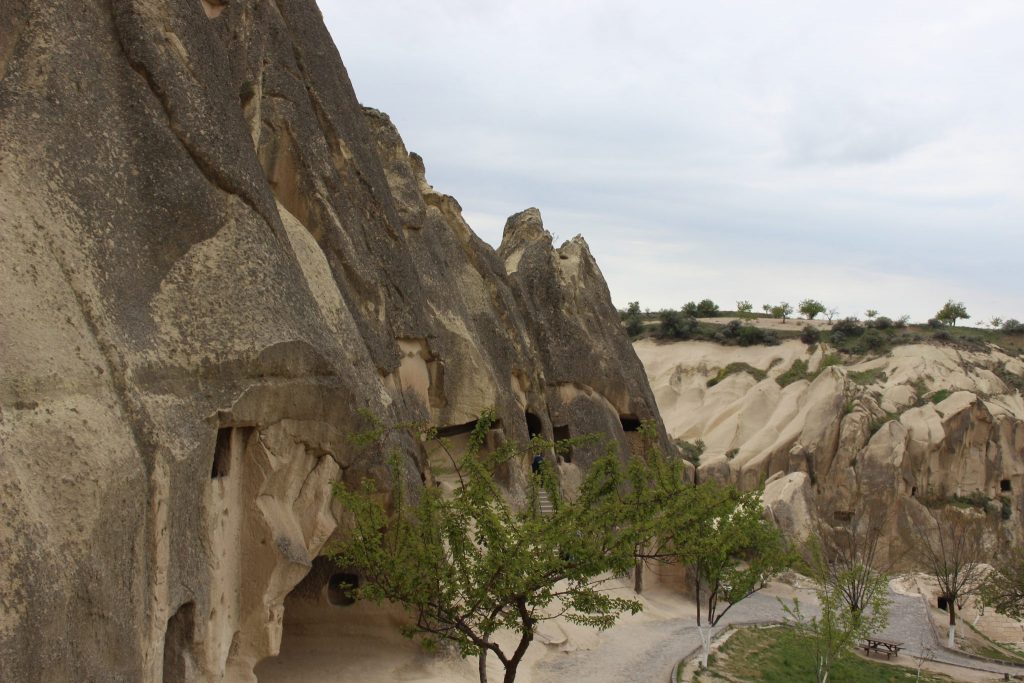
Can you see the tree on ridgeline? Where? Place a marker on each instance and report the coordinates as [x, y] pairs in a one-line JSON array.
[[744, 309], [781, 310], [811, 308], [951, 312]]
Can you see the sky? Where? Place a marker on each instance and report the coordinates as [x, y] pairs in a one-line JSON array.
[[868, 154]]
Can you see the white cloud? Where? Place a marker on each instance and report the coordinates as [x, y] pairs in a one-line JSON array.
[[724, 149]]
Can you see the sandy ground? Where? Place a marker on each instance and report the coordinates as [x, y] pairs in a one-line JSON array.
[[363, 644]]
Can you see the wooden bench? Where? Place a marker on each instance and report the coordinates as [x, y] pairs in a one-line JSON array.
[[886, 647]]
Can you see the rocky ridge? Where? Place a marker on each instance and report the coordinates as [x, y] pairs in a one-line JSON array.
[[923, 425], [213, 258]]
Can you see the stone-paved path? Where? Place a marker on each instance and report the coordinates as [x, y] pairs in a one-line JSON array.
[[909, 622], [647, 651]]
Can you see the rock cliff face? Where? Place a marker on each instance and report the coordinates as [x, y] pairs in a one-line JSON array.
[[212, 258], [923, 425]]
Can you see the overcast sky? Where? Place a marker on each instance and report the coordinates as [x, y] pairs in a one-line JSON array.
[[868, 154]]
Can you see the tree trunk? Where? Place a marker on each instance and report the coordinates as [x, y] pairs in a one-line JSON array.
[[638, 577], [705, 645], [951, 639], [510, 671], [482, 664]]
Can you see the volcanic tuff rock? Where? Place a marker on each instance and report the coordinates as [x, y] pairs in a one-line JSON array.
[[923, 424], [213, 257]]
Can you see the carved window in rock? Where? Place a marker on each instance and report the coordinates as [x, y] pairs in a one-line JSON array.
[[1005, 486]]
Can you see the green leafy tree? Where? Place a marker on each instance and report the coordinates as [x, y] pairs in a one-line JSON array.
[[690, 309], [836, 628], [744, 308], [1003, 588], [996, 323], [469, 564], [781, 310], [951, 312], [871, 313], [719, 534], [728, 546], [707, 309], [676, 325], [811, 308], [633, 319]]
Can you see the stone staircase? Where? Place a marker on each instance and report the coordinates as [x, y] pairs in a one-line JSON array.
[[544, 504]]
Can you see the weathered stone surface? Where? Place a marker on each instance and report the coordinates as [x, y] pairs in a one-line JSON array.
[[870, 442], [212, 257]]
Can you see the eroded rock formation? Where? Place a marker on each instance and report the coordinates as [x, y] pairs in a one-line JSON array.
[[923, 425], [212, 258]]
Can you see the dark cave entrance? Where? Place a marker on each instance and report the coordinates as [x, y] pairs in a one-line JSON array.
[[534, 426], [179, 645]]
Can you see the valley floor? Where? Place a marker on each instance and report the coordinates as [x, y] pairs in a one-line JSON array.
[[642, 647]]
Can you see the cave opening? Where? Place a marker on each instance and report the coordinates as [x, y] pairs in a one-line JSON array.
[[942, 603], [1005, 486], [562, 433], [339, 587], [464, 428], [346, 639], [533, 425], [222, 454], [630, 423], [179, 645]]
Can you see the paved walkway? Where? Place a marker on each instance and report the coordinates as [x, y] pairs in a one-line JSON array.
[[647, 651], [909, 622]]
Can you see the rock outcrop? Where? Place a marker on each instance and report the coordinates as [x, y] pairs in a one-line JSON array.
[[923, 425], [213, 258]]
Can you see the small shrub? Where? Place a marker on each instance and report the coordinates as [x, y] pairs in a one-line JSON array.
[[848, 327], [866, 377], [691, 451], [882, 323], [935, 323], [940, 395], [810, 335], [733, 368], [1013, 326], [942, 335], [732, 453], [676, 325]]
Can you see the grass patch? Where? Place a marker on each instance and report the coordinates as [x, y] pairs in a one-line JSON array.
[[797, 371], [733, 368], [867, 377], [779, 655], [940, 395], [991, 649]]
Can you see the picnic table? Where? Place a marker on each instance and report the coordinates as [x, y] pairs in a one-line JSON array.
[[881, 646]]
